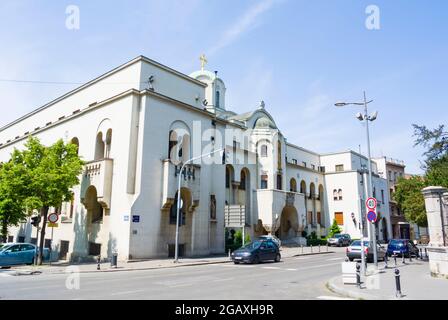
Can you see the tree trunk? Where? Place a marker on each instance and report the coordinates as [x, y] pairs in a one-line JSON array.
[[4, 231], [44, 214]]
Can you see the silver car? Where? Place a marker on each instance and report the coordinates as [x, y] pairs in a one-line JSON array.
[[340, 239], [355, 249]]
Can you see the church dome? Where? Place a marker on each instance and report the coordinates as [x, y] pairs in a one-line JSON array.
[[264, 123]]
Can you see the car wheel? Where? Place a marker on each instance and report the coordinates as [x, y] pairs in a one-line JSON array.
[[6, 267], [277, 257], [351, 259], [236, 262], [256, 260]]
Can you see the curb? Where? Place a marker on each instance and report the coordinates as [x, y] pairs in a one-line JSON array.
[[20, 273], [312, 253], [349, 293]]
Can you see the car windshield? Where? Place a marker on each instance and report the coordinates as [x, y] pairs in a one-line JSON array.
[[357, 243], [398, 243], [253, 245]]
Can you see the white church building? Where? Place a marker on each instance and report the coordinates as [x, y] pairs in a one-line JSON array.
[[136, 125]]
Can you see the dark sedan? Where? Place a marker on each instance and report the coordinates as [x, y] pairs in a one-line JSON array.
[[257, 251]]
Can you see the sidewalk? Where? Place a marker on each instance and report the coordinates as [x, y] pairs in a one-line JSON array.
[[416, 283], [61, 267]]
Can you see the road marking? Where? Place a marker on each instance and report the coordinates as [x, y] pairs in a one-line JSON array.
[[275, 268], [227, 279], [291, 269], [320, 266], [181, 285], [332, 298], [334, 259], [302, 258], [126, 292]]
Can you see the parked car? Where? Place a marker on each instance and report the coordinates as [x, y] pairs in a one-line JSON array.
[[20, 253], [339, 239], [402, 246], [354, 251], [273, 238], [257, 251]]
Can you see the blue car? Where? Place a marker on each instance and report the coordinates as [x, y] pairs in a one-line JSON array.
[[19, 253], [402, 247]]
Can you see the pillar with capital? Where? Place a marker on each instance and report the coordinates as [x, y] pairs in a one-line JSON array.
[[436, 204]]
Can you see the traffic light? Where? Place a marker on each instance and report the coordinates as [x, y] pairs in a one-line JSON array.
[[35, 221]]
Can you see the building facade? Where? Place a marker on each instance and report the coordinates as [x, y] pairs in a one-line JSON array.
[[136, 125]]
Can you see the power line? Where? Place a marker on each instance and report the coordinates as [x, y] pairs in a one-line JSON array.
[[63, 82]]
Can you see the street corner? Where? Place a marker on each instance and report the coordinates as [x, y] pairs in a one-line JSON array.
[[336, 285]]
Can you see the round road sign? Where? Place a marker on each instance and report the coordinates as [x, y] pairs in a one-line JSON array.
[[371, 203], [371, 216], [53, 218]]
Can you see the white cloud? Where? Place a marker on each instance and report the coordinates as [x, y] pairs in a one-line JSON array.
[[246, 22]]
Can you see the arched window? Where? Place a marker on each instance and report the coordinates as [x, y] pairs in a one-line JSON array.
[[99, 146], [340, 194], [293, 185], [312, 191], [279, 155], [243, 180], [108, 142], [217, 99], [172, 142], [75, 141], [335, 194], [264, 150], [303, 187]]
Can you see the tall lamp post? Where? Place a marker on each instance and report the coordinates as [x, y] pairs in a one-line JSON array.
[[176, 249], [366, 117]]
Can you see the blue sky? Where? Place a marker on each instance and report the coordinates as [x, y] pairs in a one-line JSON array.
[[300, 57]]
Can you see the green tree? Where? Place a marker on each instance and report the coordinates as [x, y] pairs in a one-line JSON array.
[[239, 238], [14, 197], [410, 199], [53, 171], [334, 229], [435, 140]]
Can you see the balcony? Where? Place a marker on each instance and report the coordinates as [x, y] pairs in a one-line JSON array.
[[98, 174], [190, 180]]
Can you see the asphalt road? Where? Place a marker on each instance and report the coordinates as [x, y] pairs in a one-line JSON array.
[[292, 278]]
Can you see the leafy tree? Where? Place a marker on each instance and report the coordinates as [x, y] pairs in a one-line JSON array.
[[408, 194], [334, 229], [239, 238], [53, 171], [436, 140], [14, 199]]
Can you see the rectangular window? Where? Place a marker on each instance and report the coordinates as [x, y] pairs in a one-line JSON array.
[[339, 167], [322, 169], [212, 207], [264, 182], [304, 163], [264, 150], [389, 173], [382, 196], [318, 218], [279, 182], [10, 238], [21, 240], [94, 249], [309, 217], [294, 161], [339, 216], [313, 167]]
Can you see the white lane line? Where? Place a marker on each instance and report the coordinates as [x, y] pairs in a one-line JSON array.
[[302, 258], [181, 285], [125, 292], [332, 298], [334, 259], [274, 268], [320, 266], [291, 269]]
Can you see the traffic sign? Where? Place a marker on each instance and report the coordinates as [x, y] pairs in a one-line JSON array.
[[53, 217], [371, 203], [371, 216], [52, 225]]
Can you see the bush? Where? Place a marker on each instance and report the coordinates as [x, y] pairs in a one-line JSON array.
[[236, 240], [334, 229], [316, 242]]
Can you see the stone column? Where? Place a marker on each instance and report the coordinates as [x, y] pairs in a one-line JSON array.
[[437, 216]]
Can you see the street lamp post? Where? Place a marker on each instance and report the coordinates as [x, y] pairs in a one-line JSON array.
[[366, 117], [176, 250]]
